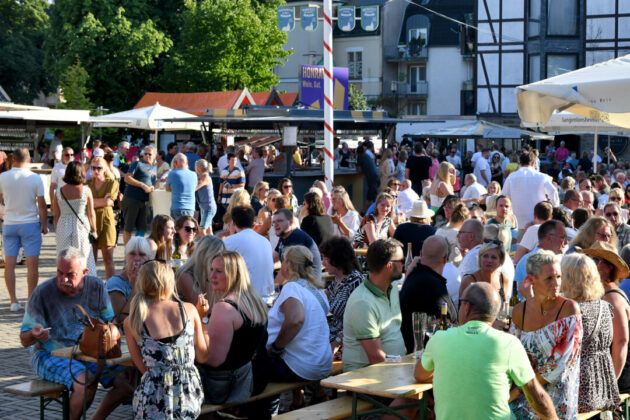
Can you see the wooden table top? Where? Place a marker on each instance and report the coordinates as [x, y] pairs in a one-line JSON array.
[[124, 360], [389, 380]]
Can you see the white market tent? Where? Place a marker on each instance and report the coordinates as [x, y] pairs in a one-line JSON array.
[[598, 92], [148, 118]]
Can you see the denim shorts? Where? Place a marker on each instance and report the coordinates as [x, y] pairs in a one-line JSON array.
[[25, 235], [205, 217], [176, 214], [57, 369]]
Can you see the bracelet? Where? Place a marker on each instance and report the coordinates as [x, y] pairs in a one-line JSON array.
[[275, 351]]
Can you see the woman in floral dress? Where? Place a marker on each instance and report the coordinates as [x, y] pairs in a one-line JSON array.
[[164, 336], [550, 328]]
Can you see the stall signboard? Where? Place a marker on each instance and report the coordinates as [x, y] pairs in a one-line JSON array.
[[286, 18], [308, 19], [312, 87], [289, 136], [345, 18], [369, 18]]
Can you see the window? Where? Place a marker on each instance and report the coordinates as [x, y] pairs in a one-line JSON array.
[[355, 65], [418, 108], [417, 75], [533, 21], [534, 68], [562, 17], [418, 33], [561, 63]]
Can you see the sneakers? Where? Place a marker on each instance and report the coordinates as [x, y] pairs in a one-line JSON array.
[[15, 306]]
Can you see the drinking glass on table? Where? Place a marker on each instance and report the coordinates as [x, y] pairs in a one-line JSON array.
[[420, 324]]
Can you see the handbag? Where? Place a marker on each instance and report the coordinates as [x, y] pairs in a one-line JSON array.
[[93, 240], [100, 340]]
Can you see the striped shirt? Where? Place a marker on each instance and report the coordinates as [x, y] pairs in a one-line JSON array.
[[232, 181]]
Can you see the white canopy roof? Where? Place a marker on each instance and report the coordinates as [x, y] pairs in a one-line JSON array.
[[569, 123], [598, 92], [77, 116], [147, 118], [465, 128]]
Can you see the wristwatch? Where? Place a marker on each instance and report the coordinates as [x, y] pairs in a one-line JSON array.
[[205, 319]]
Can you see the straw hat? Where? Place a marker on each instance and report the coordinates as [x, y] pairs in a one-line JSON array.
[[607, 252], [420, 210]]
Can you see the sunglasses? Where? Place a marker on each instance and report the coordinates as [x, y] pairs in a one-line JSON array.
[[615, 198], [189, 229], [97, 168], [611, 214], [287, 186], [68, 154], [396, 184], [493, 241], [398, 261]]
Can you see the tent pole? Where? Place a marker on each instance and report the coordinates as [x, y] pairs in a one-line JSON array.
[[157, 146], [595, 153], [608, 154]]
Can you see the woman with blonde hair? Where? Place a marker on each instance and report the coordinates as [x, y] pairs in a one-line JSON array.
[[595, 229], [345, 218], [239, 198], [236, 329], [161, 237], [264, 214], [386, 167], [598, 383], [378, 224], [104, 192], [165, 337], [442, 185], [298, 330], [259, 195], [491, 257], [204, 193], [193, 278]]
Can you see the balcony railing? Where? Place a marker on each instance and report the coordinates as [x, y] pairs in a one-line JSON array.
[[405, 53], [408, 89]]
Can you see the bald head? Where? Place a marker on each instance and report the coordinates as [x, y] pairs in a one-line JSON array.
[[484, 303], [434, 253], [405, 184], [180, 161]]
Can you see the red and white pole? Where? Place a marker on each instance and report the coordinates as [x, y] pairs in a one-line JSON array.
[[329, 132]]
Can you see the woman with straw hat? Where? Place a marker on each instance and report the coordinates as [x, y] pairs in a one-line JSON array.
[[612, 268]]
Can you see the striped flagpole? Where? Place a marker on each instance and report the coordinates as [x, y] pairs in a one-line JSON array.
[[329, 162]]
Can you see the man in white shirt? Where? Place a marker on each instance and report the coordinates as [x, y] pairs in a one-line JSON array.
[[255, 249], [56, 147], [474, 190], [25, 220], [543, 211], [453, 159], [59, 171], [406, 197], [526, 187], [482, 168]]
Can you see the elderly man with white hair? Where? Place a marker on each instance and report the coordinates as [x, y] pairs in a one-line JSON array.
[[120, 157], [190, 150], [474, 190], [406, 197], [50, 324], [181, 182]]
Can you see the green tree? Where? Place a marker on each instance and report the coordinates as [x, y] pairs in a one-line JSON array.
[[226, 45], [73, 85], [23, 24], [120, 48], [356, 100]]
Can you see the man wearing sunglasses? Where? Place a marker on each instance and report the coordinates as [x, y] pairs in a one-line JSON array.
[[492, 361], [140, 179], [612, 212], [59, 171]]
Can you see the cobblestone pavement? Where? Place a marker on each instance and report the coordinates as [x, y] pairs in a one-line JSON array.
[[15, 366]]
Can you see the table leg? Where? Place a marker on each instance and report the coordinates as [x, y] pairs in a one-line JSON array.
[[380, 407], [354, 405], [65, 404]]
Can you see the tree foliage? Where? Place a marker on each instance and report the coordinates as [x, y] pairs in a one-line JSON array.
[[23, 24], [73, 84], [226, 45], [356, 100], [120, 48]]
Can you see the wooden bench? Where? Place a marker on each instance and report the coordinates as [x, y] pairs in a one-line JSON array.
[[47, 393], [339, 408], [591, 414], [272, 389]]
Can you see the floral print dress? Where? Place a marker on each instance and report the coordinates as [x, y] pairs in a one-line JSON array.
[[171, 386], [554, 352]]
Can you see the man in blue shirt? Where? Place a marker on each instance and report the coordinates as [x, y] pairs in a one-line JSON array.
[[140, 179], [50, 324], [190, 150], [181, 182], [552, 236]]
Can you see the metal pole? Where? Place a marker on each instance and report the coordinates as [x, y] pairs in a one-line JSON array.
[[329, 130], [608, 154], [595, 153]]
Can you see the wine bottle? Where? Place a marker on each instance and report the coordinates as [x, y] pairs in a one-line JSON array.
[[514, 300], [409, 257], [443, 316]]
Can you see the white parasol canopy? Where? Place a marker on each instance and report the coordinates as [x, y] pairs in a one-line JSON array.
[[599, 92], [147, 118]]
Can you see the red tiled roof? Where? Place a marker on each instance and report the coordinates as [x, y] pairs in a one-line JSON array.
[[260, 98], [288, 99], [193, 103]]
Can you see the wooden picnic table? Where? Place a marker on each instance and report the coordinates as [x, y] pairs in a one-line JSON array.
[[389, 380], [123, 360]]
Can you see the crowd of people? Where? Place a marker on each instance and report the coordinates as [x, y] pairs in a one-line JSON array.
[[532, 268]]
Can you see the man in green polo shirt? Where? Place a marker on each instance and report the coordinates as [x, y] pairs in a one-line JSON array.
[[473, 366], [371, 322]]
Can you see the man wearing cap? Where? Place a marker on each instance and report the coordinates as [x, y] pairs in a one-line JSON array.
[[417, 229], [612, 212], [612, 268]]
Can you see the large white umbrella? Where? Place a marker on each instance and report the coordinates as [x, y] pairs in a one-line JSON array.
[[598, 92]]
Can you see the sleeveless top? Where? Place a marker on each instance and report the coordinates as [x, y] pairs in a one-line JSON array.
[[501, 291], [244, 343], [624, 379]]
